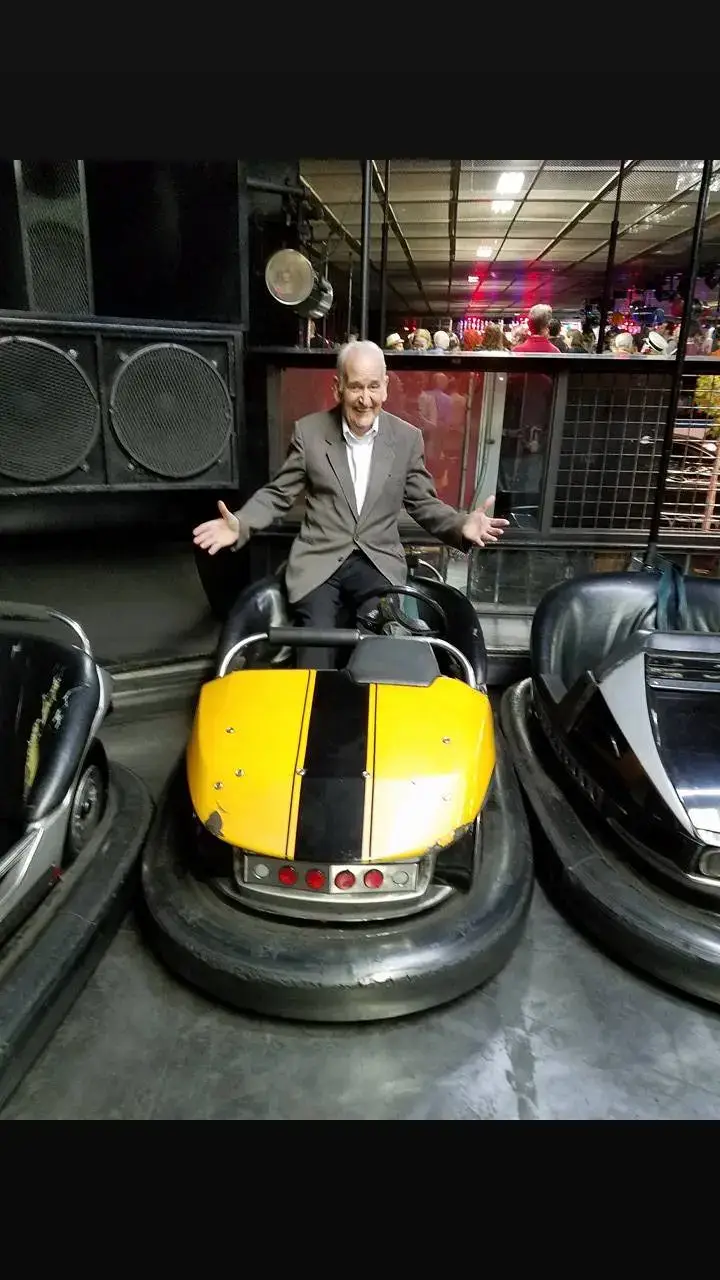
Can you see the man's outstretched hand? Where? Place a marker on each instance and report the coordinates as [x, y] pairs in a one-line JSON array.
[[482, 528], [213, 535]]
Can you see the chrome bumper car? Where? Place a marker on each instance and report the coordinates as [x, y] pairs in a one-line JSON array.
[[616, 740], [71, 828]]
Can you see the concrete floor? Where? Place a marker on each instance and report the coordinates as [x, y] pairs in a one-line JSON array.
[[563, 1033]]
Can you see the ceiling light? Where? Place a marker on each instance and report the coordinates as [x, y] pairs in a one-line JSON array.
[[510, 183], [473, 279], [484, 251], [503, 206]]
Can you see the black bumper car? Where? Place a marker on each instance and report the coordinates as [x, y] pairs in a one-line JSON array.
[[71, 829], [347, 844], [616, 739]]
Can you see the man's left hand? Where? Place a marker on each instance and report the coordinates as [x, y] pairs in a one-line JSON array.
[[481, 527]]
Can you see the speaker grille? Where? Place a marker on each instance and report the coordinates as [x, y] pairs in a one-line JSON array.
[[171, 411], [49, 413], [59, 277], [51, 201]]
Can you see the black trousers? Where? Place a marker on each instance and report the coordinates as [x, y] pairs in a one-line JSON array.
[[334, 603]]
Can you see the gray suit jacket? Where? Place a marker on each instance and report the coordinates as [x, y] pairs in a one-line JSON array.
[[331, 529]]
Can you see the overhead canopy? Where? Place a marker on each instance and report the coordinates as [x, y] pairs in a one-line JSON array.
[[526, 230]]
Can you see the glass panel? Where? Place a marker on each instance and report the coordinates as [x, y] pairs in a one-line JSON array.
[[445, 406], [523, 454], [517, 577]]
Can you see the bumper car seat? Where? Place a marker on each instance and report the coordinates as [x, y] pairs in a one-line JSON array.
[[50, 695], [582, 625]]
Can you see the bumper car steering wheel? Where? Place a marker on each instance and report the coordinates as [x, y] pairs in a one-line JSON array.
[[387, 617]]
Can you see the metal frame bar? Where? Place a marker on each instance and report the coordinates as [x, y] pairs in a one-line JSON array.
[[453, 205], [490, 429], [610, 263], [350, 240], [384, 257], [243, 213], [557, 426], [397, 232], [664, 462], [365, 249]]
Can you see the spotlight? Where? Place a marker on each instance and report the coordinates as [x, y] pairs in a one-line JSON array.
[[293, 281]]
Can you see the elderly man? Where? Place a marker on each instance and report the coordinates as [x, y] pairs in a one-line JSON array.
[[358, 467]]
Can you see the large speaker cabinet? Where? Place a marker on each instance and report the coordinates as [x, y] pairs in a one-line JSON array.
[[93, 407], [161, 241]]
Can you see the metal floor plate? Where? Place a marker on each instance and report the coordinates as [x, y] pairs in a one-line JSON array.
[[562, 1033]]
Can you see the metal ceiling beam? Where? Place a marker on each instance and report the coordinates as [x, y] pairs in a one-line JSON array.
[[660, 244], [581, 214], [642, 253], [624, 169], [455, 168], [516, 215], [658, 208], [379, 188], [350, 240]]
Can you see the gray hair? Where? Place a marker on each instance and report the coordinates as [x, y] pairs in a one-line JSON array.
[[539, 317], [355, 348]]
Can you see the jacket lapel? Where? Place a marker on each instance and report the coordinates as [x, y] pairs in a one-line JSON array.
[[383, 457], [337, 457]]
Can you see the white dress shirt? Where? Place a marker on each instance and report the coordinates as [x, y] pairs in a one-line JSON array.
[[359, 456]]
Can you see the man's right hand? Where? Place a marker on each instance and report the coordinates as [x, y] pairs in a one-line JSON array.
[[213, 535]]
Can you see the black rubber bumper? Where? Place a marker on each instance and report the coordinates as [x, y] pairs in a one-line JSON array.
[[45, 965], [350, 973], [631, 917]]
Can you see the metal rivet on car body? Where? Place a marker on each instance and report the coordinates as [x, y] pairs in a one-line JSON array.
[[239, 773], [217, 786]]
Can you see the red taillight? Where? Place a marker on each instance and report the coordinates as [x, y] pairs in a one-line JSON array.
[[287, 876], [315, 879], [373, 879], [344, 880]]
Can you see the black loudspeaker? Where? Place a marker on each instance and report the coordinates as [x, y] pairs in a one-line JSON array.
[[44, 237], [166, 240], [104, 411], [155, 241]]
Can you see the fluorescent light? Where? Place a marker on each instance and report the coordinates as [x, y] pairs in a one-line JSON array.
[[473, 279], [503, 206], [485, 251], [510, 183]]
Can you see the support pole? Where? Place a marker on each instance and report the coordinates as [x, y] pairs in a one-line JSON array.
[[610, 265], [679, 359], [365, 249], [384, 258]]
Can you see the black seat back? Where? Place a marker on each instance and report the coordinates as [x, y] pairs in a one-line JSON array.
[[578, 623], [264, 604], [464, 630], [49, 696], [261, 605]]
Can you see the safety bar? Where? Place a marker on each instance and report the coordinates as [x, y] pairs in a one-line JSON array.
[[10, 611], [318, 636], [315, 636], [426, 565], [289, 636]]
